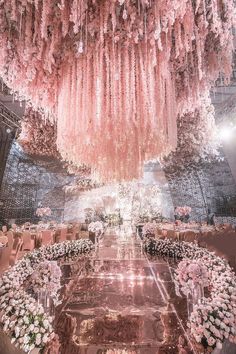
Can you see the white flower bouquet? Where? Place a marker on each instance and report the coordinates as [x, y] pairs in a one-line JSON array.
[[24, 320], [213, 321], [183, 211], [47, 277], [96, 227]]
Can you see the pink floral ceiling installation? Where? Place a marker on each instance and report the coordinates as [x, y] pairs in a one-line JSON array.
[[197, 140], [38, 136], [115, 74]]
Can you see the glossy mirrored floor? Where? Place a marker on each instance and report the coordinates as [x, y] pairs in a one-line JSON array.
[[121, 302]]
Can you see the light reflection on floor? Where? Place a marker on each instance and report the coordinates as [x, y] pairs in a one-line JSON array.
[[118, 301]]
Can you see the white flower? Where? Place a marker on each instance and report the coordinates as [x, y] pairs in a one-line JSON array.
[[46, 323], [26, 339], [45, 338], [38, 339], [31, 327]]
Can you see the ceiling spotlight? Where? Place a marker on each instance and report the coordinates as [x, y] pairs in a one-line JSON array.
[[8, 130], [226, 133]]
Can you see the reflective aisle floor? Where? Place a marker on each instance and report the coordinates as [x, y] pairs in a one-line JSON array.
[[120, 302]]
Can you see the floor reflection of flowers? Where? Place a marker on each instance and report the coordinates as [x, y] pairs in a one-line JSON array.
[[111, 328]]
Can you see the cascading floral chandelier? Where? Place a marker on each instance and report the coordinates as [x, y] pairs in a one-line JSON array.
[[115, 75]]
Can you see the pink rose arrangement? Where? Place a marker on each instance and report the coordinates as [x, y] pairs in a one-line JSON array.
[[191, 273], [43, 212], [213, 319], [22, 318], [183, 211], [47, 277]]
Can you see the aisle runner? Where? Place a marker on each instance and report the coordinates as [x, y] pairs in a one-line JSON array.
[[119, 301]]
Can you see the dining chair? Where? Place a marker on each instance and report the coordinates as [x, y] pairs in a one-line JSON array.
[[84, 234], [63, 234], [47, 237], [16, 252], [10, 237], [28, 243], [5, 253]]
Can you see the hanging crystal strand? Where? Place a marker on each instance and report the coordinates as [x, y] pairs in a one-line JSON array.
[[189, 304], [127, 87], [13, 10], [28, 31], [97, 89], [144, 91], [36, 4], [139, 99], [20, 27], [108, 84], [78, 95], [119, 85], [86, 30], [73, 100], [113, 84], [45, 11], [151, 89], [139, 7], [145, 24]]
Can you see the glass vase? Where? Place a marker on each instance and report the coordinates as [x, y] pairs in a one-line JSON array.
[[46, 301], [194, 297]]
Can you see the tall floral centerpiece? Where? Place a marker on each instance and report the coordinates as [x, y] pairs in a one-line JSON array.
[[213, 318], [97, 227], [44, 213], [45, 282], [23, 318], [191, 278], [183, 213]]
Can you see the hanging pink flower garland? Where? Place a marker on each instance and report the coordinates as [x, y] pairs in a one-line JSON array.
[[38, 136], [115, 74]]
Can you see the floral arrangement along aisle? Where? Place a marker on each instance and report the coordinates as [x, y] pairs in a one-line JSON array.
[[47, 277], [213, 319], [25, 321]]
